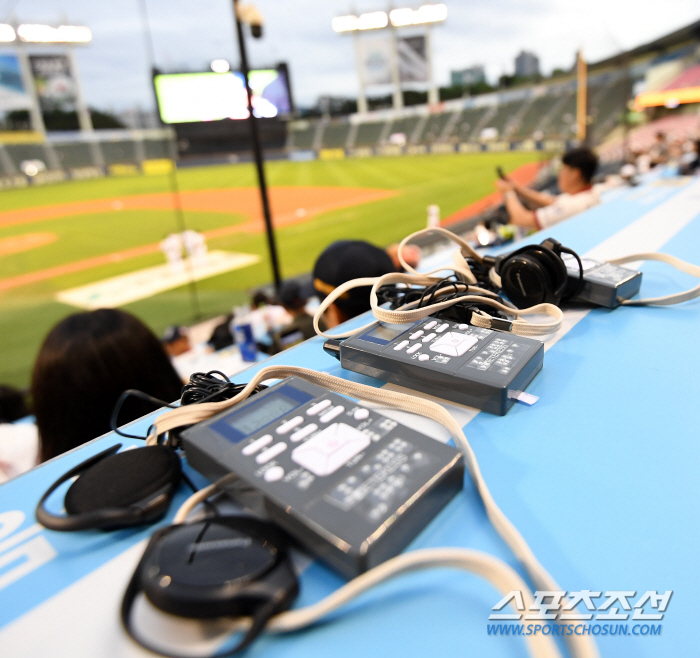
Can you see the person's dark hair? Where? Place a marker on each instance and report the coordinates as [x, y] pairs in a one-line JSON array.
[[584, 160], [291, 296], [85, 363], [259, 299], [13, 404]]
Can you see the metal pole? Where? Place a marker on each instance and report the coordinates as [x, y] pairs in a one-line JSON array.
[[84, 118], [25, 69], [258, 153], [395, 69], [362, 106], [581, 98], [433, 93]]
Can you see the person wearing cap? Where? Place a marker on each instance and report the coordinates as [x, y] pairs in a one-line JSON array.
[[293, 299], [176, 341], [344, 261]]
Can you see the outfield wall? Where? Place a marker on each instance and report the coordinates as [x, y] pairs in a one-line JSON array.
[[547, 145]]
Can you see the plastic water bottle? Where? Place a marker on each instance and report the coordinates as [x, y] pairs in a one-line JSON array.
[[243, 334], [433, 215]]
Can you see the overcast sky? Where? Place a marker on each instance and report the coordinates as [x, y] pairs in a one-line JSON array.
[[189, 34]]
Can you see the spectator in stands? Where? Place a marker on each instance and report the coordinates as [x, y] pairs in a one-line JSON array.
[[301, 327], [690, 162], [19, 443], [343, 261], [176, 341], [575, 184], [85, 363], [13, 404], [659, 150]]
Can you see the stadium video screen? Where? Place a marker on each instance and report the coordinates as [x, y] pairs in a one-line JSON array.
[[196, 97]]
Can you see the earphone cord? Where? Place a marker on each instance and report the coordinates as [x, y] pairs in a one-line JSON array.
[[579, 286]]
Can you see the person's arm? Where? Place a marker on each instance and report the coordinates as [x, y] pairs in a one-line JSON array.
[[519, 215], [540, 199]]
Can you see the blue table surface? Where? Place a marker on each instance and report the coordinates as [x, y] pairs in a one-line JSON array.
[[600, 476]]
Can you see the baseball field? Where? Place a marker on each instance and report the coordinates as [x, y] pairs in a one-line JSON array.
[[55, 238]]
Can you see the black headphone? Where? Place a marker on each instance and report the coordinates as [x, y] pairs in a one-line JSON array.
[[116, 489], [536, 274], [226, 566], [134, 487]]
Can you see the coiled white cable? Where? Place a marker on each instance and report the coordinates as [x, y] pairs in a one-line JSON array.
[[581, 647], [408, 312]]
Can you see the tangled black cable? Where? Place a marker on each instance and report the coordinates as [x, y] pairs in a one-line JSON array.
[[212, 386], [446, 289], [202, 387]]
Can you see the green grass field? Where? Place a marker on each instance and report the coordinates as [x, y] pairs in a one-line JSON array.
[[28, 312]]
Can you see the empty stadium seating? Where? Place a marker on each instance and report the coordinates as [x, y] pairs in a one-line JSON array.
[[335, 135], [368, 134], [546, 112], [301, 135]]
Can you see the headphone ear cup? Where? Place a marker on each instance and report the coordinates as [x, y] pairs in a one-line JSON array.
[[116, 490], [557, 272], [524, 280]]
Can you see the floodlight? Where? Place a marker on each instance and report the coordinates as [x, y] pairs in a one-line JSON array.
[[402, 17], [7, 33], [373, 20], [32, 33], [220, 66], [345, 23], [426, 14]]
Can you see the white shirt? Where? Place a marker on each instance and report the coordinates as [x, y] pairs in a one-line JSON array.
[[19, 449], [565, 206]]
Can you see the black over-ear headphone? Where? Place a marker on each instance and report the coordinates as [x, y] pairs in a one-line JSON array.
[[536, 274], [133, 487], [116, 489], [226, 566]]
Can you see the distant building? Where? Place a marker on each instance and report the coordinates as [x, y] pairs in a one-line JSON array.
[[468, 77], [527, 65]]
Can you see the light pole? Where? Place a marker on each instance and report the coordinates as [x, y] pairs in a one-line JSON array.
[[246, 13]]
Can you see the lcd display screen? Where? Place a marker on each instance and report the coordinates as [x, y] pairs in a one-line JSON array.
[[250, 421], [196, 97], [387, 332]]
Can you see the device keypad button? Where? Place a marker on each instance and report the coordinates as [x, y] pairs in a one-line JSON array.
[[361, 414], [454, 344], [430, 325], [442, 328], [423, 357], [318, 407], [413, 349], [303, 432], [256, 445], [273, 474], [463, 327], [415, 335], [271, 453], [401, 345], [428, 338], [330, 415], [284, 428]]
